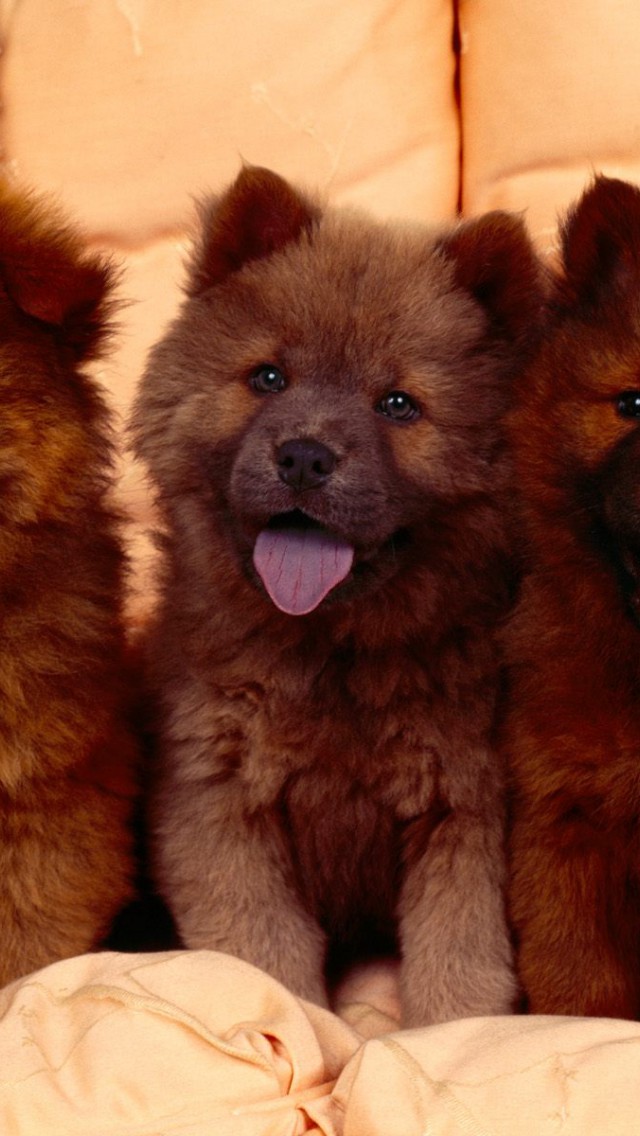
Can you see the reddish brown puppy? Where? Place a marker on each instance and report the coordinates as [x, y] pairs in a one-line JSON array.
[[573, 730], [323, 424], [65, 750]]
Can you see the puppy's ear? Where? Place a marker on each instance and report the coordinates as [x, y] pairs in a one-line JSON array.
[[257, 216], [495, 262], [601, 244], [46, 272]]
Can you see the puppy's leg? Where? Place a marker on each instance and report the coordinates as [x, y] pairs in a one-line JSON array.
[[66, 867], [457, 959], [572, 908], [228, 878]]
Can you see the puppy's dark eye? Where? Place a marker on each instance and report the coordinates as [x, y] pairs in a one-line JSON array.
[[399, 406], [628, 404], [267, 379]]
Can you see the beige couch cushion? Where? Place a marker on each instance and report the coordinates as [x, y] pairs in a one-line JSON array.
[[128, 107], [550, 94]]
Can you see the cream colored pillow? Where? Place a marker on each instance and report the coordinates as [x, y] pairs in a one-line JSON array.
[[550, 95], [198, 1043]]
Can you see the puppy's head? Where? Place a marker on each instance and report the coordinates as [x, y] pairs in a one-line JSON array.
[[333, 386], [576, 431], [54, 308]]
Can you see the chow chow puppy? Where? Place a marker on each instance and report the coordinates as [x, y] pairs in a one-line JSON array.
[[66, 755], [322, 421], [572, 734]]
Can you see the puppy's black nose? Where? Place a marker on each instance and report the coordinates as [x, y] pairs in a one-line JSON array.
[[304, 463]]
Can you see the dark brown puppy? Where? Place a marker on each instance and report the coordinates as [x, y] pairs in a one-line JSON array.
[[65, 750], [322, 424], [573, 730]]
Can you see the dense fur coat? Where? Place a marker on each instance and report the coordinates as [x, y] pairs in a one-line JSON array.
[[322, 423], [65, 750], [573, 731]]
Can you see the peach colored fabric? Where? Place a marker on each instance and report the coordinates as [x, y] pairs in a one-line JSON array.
[[187, 1044], [496, 1077], [550, 94], [198, 1043], [127, 107]]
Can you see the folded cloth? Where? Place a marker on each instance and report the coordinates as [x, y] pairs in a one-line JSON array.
[[179, 1043], [200, 1044]]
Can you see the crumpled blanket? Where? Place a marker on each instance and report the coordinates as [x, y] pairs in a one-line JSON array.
[[197, 1043]]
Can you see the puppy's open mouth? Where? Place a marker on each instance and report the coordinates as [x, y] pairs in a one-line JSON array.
[[300, 562]]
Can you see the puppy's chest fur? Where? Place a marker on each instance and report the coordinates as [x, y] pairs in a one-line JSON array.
[[366, 722], [354, 750], [346, 752]]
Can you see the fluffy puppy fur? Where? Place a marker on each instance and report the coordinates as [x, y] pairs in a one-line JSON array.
[[322, 422], [572, 735], [66, 756]]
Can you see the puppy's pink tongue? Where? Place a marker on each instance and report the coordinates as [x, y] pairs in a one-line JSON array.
[[299, 566]]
